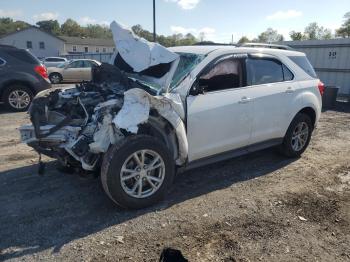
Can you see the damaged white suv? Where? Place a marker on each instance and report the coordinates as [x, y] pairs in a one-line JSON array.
[[154, 110]]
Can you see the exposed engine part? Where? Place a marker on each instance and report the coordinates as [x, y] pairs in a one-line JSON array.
[[77, 125]]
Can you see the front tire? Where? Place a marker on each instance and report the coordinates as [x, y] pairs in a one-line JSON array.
[[298, 136], [137, 172], [17, 98]]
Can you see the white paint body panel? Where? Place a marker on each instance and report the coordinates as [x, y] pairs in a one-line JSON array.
[[218, 123]]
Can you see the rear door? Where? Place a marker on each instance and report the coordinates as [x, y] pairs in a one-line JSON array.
[[273, 91], [74, 71], [219, 119], [86, 73]]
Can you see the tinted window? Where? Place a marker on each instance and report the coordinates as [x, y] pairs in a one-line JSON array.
[[22, 55], [304, 64], [225, 74], [287, 74], [263, 71]]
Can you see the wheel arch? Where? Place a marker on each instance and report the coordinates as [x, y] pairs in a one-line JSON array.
[[10, 83], [159, 127], [309, 111]]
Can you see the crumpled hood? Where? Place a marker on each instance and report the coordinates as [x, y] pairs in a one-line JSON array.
[[152, 61]]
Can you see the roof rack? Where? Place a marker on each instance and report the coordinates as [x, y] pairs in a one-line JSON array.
[[264, 45]]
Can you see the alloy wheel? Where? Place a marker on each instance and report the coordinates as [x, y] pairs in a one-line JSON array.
[[300, 136], [19, 99], [142, 173]]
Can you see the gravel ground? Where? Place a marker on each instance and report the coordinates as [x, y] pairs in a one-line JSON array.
[[260, 207]]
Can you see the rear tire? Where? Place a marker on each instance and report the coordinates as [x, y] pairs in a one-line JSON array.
[[55, 78], [18, 97], [298, 136], [123, 177]]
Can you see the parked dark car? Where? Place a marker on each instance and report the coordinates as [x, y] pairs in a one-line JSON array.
[[22, 76]]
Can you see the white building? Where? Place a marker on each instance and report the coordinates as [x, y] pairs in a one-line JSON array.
[[43, 44]]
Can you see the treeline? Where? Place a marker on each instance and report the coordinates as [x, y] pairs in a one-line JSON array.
[[72, 28], [311, 32]]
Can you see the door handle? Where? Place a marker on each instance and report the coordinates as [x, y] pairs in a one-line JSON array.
[[244, 100], [290, 90]]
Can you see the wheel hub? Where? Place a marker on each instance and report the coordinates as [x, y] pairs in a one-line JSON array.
[[19, 99], [142, 173]]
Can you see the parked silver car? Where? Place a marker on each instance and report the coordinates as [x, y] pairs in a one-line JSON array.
[[54, 61], [76, 70]]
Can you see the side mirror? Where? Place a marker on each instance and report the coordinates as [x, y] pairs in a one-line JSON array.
[[198, 88]]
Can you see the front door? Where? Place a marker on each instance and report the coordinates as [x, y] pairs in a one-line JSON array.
[[219, 119]]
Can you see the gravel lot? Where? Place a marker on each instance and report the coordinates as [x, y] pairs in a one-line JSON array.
[[260, 207]]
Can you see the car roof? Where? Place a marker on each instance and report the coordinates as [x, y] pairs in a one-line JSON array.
[[84, 59], [204, 50], [55, 57]]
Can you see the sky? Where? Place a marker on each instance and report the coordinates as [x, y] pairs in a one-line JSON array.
[[218, 20]]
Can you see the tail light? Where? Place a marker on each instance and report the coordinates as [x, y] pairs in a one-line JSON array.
[[41, 70], [321, 88]]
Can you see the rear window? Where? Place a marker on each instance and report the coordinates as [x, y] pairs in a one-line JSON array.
[[23, 55], [304, 64]]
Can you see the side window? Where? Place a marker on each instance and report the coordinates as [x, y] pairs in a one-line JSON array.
[[263, 71], [29, 44], [225, 74], [76, 64], [88, 63], [287, 74]]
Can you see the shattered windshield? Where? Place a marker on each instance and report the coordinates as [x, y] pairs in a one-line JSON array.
[[187, 62]]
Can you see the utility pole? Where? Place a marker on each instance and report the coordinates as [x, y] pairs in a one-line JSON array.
[[154, 21]]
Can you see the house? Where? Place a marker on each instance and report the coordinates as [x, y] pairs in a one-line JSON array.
[[40, 43], [78, 45], [43, 44]]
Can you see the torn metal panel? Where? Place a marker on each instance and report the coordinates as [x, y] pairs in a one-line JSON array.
[[105, 136], [147, 61], [138, 52]]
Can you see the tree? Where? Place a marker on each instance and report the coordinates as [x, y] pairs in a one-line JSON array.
[[167, 41], [269, 36], [243, 40], [50, 26], [313, 31], [7, 25], [71, 28], [97, 31], [344, 30], [296, 36]]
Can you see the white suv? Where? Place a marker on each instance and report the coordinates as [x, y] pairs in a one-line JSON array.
[[179, 108]]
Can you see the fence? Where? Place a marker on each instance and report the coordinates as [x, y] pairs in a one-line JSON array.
[[102, 57]]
